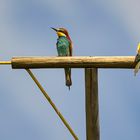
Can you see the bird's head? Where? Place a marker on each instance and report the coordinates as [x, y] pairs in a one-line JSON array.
[[138, 48], [62, 32]]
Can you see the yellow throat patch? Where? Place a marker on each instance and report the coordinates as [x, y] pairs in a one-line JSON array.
[[60, 34]]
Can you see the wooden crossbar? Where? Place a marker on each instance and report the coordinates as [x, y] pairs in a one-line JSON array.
[[73, 62]]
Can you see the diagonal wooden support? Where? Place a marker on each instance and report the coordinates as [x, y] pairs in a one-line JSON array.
[[52, 104], [92, 108]]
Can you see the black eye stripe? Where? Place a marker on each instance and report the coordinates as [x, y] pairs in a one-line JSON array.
[[60, 31]]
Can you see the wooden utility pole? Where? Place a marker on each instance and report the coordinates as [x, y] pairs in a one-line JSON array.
[[92, 107], [91, 65]]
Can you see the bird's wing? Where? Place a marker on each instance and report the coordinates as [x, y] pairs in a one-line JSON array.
[[137, 58], [136, 68], [70, 48]]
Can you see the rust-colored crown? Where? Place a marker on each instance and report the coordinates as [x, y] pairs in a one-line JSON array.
[[63, 30]]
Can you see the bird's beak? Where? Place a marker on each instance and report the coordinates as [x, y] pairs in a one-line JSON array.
[[54, 29]]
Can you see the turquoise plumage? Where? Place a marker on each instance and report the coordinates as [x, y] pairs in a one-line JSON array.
[[64, 48]]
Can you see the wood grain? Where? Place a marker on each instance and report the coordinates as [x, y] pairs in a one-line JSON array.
[[74, 62], [92, 107]]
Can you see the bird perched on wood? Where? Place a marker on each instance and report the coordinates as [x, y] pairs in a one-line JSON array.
[[64, 48], [137, 60]]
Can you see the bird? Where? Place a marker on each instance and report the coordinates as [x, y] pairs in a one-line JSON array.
[[137, 60], [64, 48]]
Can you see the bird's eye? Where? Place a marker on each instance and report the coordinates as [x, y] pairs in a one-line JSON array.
[[60, 31]]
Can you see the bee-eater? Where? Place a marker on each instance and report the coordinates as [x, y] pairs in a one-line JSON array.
[[137, 60], [64, 48]]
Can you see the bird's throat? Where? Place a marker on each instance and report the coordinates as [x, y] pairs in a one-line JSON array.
[[60, 34]]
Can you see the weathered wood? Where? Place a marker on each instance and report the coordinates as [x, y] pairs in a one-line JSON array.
[[73, 62], [52, 104], [92, 108]]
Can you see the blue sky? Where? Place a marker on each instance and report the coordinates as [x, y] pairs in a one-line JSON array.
[[97, 28]]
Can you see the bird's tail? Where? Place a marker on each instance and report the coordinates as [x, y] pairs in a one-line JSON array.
[[136, 68], [68, 77]]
